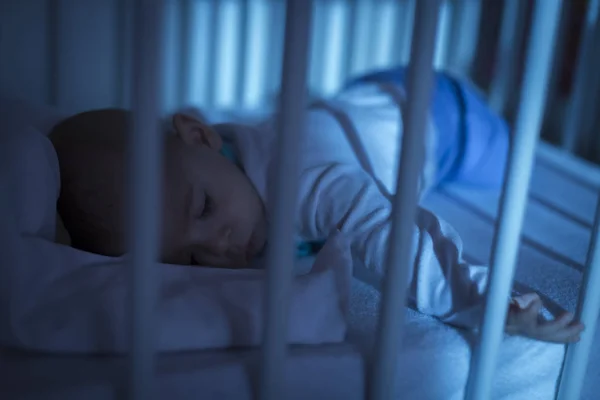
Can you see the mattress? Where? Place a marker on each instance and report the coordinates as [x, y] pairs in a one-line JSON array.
[[434, 360], [556, 233]]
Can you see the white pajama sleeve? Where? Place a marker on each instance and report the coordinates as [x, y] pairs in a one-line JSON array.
[[441, 284]]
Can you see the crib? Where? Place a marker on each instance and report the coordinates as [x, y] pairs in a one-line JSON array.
[[539, 233]]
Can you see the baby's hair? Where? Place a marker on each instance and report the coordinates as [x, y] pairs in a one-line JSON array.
[[91, 149]]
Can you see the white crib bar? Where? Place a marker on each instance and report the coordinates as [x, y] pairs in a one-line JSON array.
[[361, 35], [212, 53], [514, 196], [243, 53], [440, 58], [407, 7], [420, 83], [462, 43], [258, 58], [124, 29], [145, 146], [281, 237], [511, 33], [574, 121], [333, 75], [184, 52], [588, 311]]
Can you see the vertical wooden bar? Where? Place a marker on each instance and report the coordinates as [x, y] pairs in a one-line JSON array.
[[211, 81], [337, 26], [201, 52], [361, 38], [351, 33], [54, 50], [318, 41], [588, 311], [276, 47], [420, 84], [145, 171], [124, 40], [281, 237], [384, 18], [243, 54], [185, 52], [514, 197], [511, 36], [226, 56], [574, 121], [257, 58], [462, 43], [440, 61], [403, 32]]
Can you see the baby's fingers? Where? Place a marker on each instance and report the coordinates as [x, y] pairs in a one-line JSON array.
[[559, 323], [562, 329], [570, 334], [532, 312], [524, 301]]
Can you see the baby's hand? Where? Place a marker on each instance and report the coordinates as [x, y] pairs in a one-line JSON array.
[[524, 319]]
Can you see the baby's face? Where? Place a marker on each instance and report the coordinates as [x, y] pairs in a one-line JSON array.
[[212, 214]]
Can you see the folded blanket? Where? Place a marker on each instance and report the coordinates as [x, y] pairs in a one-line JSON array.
[[472, 140]]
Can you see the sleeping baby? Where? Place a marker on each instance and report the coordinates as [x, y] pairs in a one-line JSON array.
[[218, 180]]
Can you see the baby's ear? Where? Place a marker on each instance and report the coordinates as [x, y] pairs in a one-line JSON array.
[[194, 132]]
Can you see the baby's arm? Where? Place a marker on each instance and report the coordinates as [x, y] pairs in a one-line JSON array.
[[441, 283]]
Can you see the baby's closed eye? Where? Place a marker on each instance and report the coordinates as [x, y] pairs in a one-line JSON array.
[[207, 207]]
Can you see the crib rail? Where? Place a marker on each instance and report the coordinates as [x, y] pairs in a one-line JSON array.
[[509, 48], [514, 196], [420, 78], [167, 69], [588, 311], [145, 149], [580, 103], [425, 54], [228, 54], [281, 251]]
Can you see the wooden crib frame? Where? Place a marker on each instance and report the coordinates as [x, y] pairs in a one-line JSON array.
[[147, 66]]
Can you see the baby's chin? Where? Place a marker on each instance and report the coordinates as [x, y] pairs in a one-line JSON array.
[[258, 241]]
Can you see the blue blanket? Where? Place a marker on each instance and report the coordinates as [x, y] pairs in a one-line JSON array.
[[473, 141]]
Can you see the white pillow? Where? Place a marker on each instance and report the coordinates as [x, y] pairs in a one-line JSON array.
[[34, 164], [16, 111], [32, 176]]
